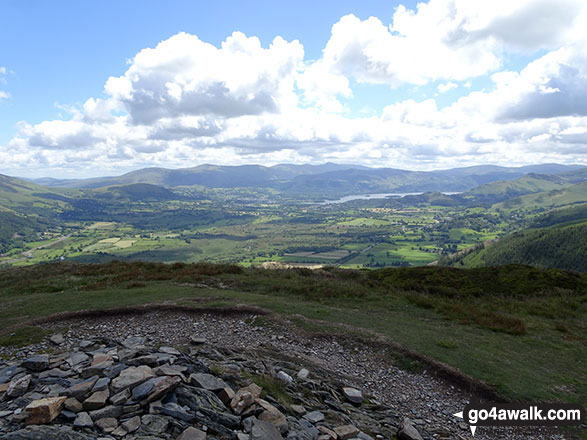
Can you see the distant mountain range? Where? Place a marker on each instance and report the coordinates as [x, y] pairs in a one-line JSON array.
[[326, 179]]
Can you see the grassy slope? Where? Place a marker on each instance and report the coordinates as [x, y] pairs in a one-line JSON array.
[[528, 184], [519, 329], [560, 247], [549, 199]]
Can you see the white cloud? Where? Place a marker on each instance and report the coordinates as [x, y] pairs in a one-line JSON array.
[[186, 102], [446, 39], [186, 76], [3, 94], [445, 87]]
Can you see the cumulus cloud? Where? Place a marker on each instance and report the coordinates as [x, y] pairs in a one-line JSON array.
[[186, 102], [185, 76], [445, 39]]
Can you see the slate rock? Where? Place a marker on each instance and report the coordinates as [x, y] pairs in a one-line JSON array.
[[132, 424], [192, 433], [107, 424], [169, 350], [111, 411], [97, 400], [273, 415], [39, 362], [207, 381], [83, 420], [143, 390], [120, 398], [314, 417], [163, 387], [18, 387], [353, 395], [57, 339], [82, 389], [328, 433], [152, 424], [101, 384], [77, 358], [408, 431], [131, 377], [346, 432], [44, 410], [73, 405], [262, 430], [44, 432], [298, 409], [174, 410]]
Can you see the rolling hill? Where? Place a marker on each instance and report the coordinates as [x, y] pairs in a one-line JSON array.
[[319, 180], [562, 247], [531, 183], [567, 195]]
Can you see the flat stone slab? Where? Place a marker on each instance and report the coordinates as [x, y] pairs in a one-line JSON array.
[[353, 395]]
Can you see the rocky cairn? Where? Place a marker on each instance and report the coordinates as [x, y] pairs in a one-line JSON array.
[[104, 389]]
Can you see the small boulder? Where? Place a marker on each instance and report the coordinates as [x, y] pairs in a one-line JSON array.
[[131, 377], [44, 410], [272, 415], [120, 398], [107, 424], [73, 405], [131, 425], [353, 395], [262, 430], [83, 420], [169, 350], [346, 432], [245, 397], [192, 433], [314, 417], [57, 339], [97, 400], [36, 363], [207, 381], [18, 387], [408, 431]]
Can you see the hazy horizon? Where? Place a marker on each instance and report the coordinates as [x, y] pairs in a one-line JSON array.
[[98, 175]]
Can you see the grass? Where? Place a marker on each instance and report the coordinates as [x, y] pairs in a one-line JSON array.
[[272, 387], [498, 325]]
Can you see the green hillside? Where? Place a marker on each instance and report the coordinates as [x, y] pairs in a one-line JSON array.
[[569, 195], [506, 189], [563, 247], [134, 192]]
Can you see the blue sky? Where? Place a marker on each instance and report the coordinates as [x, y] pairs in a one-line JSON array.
[[62, 52], [368, 90]]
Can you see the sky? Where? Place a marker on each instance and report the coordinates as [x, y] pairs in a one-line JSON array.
[[102, 88]]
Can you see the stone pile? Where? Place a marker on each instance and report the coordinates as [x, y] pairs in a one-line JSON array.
[[106, 389]]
